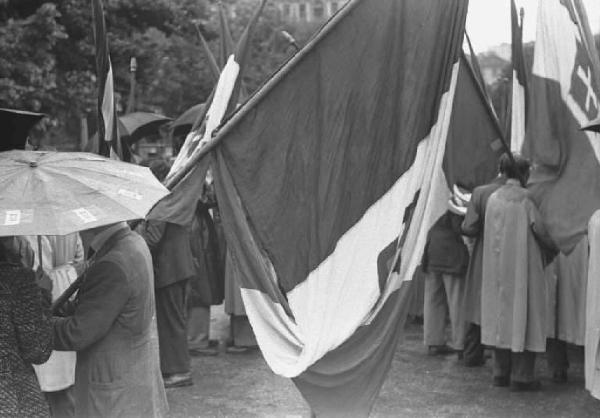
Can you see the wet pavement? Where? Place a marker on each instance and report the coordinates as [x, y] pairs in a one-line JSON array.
[[418, 385]]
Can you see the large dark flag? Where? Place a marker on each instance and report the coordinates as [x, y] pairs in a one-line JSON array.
[[109, 142], [564, 97], [328, 180], [519, 83]]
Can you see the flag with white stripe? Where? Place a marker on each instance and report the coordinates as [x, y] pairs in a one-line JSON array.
[[564, 97], [109, 142], [328, 180], [519, 83]]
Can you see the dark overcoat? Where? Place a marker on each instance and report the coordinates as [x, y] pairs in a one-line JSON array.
[[113, 330]]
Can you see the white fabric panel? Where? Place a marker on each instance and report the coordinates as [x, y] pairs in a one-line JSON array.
[[517, 127], [342, 293], [592, 329], [554, 58], [214, 116]]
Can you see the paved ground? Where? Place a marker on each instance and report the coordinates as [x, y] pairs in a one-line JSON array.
[[417, 386]]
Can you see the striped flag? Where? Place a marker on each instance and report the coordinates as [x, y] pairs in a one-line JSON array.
[[519, 83], [109, 142], [328, 180], [564, 97]]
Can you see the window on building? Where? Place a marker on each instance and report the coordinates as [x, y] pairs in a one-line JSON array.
[[302, 11], [318, 10], [286, 10], [334, 6]]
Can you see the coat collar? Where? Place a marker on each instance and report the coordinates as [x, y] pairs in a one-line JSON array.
[[104, 241]]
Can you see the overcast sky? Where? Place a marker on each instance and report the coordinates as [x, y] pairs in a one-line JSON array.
[[488, 21]]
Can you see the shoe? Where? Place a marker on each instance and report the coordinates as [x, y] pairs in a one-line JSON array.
[[178, 380], [501, 381], [203, 352], [475, 363], [560, 377], [439, 350], [238, 349], [532, 386]]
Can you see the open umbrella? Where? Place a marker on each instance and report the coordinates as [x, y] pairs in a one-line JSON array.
[[138, 125], [57, 193], [183, 124], [593, 125], [15, 126]]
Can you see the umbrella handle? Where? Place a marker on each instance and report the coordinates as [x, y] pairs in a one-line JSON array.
[[66, 295]]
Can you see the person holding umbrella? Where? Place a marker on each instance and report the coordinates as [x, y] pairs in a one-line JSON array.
[[111, 323]]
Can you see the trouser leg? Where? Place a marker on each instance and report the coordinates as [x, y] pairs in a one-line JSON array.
[[502, 363], [198, 326], [62, 403], [473, 352], [556, 353], [171, 321], [242, 333], [454, 286], [523, 367], [434, 310]]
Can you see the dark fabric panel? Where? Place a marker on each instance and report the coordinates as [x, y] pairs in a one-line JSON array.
[[568, 195], [179, 207], [470, 159], [346, 382], [342, 126]]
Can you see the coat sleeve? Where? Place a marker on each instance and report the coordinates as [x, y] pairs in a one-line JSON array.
[[152, 232], [101, 299], [472, 225], [31, 317]]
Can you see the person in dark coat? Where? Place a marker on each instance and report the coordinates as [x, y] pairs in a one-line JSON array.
[[445, 262], [113, 329], [472, 227], [207, 284], [173, 268], [25, 336]]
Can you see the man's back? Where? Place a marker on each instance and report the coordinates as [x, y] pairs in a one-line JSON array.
[[513, 288], [113, 330]]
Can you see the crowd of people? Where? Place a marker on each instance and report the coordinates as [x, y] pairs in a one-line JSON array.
[[142, 308], [487, 264]]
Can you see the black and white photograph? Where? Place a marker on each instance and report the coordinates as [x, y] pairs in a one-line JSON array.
[[299, 208]]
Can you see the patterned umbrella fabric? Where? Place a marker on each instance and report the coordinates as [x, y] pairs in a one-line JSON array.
[[57, 193]]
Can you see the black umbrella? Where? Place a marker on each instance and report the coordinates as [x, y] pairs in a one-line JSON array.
[[137, 125], [183, 124], [15, 126], [593, 125]]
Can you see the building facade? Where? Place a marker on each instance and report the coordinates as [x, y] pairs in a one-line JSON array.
[[308, 10]]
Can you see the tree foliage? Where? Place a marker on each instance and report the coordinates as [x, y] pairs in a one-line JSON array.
[[47, 56]]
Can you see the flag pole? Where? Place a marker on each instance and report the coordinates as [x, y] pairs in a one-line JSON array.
[[259, 95]]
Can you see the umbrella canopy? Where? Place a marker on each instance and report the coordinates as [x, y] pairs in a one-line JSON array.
[[183, 124], [593, 125], [15, 126], [138, 125], [57, 193]]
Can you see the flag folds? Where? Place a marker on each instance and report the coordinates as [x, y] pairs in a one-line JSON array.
[[564, 97], [109, 142], [328, 180], [519, 83]]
